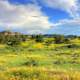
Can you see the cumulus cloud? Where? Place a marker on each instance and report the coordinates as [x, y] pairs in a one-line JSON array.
[[70, 6], [23, 17]]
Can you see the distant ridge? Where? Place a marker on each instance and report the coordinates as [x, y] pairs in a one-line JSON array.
[[10, 33]]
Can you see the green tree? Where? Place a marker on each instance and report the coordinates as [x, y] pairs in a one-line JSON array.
[[59, 39], [39, 38]]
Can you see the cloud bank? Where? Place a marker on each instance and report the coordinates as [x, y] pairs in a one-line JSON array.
[[23, 17]]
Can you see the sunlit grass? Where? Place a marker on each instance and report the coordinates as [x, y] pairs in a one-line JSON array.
[[39, 62]]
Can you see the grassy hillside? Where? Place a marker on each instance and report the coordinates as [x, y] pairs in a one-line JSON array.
[[40, 58]]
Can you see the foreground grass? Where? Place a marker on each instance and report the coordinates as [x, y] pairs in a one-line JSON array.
[[23, 63], [39, 73]]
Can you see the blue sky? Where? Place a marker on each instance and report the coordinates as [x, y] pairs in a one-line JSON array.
[[41, 16]]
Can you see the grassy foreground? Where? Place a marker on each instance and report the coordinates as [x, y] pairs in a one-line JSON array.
[[39, 62]]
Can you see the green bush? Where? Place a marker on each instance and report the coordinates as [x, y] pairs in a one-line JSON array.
[[31, 62]]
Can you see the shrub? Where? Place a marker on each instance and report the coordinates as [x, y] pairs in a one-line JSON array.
[[31, 62]]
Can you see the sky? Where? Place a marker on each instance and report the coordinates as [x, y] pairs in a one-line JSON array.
[[41, 16]]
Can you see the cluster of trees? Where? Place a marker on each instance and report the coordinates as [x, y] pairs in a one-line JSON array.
[[61, 39], [56, 38], [10, 38], [38, 38]]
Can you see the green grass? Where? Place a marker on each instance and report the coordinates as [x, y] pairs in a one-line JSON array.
[[28, 63]]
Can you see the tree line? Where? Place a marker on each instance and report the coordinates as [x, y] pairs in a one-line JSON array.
[[8, 38]]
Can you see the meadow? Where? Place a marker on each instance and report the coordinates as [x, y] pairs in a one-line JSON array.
[[31, 60]]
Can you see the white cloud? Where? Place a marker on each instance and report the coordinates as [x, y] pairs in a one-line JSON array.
[[74, 22], [23, 17], [67, 26], [70, 6]]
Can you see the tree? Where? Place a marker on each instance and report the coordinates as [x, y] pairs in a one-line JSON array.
[[12, 40], [59, 39], [39, 38]]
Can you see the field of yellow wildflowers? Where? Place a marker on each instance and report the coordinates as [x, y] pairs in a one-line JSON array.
[[39, 62]]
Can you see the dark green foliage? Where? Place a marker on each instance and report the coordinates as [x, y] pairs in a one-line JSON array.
[[66, 40], [72, 46], [15, 38], [59, 39], [31, 62], [11, 39], [38, 38]]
